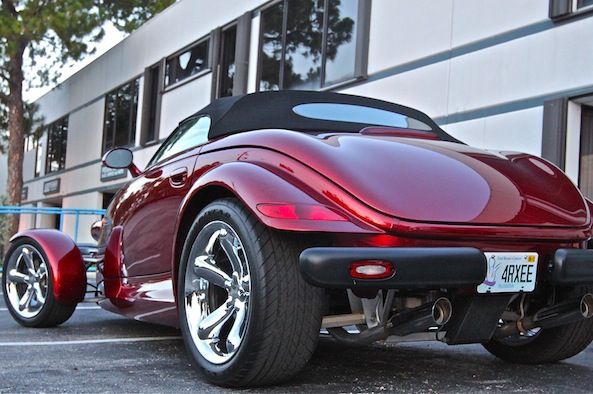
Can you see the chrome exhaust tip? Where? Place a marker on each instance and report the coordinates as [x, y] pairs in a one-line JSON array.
[[587, 306], [442, 309]]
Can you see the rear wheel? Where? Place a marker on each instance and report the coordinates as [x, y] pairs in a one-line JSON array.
[[247, 316], [541, 346], [28, 288]]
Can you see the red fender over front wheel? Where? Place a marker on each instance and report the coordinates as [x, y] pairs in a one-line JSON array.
[[43, 279]]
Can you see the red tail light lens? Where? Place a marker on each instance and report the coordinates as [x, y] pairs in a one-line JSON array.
[[371, 269], [300, 211]]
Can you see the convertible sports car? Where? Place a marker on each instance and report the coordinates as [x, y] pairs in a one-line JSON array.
[[267, 219]]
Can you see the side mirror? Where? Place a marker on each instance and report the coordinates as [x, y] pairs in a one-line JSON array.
[[121, 158]]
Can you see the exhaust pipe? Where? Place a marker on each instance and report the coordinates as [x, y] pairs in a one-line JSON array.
[[422, 318], [567, 312], [407, 322]]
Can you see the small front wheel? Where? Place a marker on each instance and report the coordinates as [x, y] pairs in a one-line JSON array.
[[28, 288], [247, 316]]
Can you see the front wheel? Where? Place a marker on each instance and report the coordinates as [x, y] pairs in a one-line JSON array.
[[27, 280], [247, 316]]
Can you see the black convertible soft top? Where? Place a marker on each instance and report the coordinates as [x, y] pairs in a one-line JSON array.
[[275, 110]]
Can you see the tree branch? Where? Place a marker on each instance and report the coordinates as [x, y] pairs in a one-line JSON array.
[[10, 7]]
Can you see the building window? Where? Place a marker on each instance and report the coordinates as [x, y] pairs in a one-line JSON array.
[[561, 9], [151, 107], [38, 157], [227, 61], [584, 3], [310, 44], [121, 107], [187, 63], [586, 159], [57, 138]]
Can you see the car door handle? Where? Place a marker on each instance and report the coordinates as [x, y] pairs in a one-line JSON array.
[[178, 177]]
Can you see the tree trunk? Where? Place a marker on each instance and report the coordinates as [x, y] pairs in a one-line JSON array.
[[16, 138]]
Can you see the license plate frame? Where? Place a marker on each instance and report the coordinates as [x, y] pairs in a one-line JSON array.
[[510, 272]]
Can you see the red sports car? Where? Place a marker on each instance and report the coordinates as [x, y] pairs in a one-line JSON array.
[[266, 219]]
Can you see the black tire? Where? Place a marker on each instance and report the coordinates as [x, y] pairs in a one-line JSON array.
[[284, 312], [51, 313], [548, 345]]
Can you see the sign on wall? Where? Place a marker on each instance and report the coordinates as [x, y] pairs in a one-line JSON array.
[[24, 193], [52, 186], [109, 174]]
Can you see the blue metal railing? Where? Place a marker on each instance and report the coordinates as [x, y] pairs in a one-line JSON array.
[[61, 212]]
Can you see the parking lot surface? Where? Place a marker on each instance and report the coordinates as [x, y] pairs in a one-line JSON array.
[[96, 351]]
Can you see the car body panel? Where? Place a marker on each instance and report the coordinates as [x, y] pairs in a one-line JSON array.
[[69, 273], [413, 178]]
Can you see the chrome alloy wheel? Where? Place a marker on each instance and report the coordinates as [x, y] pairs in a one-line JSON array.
[[217, 286], [26, 281]]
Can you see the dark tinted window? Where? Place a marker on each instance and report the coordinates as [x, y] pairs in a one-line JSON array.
[[358, 114], [584, 3], [228, 67], [191, 133], [121, 108], [307, 44], [187, 63], [57, 138]]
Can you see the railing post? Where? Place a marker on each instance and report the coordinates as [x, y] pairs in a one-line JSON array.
[[76, 222]]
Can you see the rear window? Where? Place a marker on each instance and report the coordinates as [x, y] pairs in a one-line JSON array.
[[359, 114]]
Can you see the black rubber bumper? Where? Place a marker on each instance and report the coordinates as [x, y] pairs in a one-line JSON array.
[[572, 267], [415, 268]]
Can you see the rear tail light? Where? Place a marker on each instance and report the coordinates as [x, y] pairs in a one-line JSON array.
[[300, 212], [371, 269]]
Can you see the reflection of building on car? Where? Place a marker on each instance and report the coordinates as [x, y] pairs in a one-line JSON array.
[[264, 218]]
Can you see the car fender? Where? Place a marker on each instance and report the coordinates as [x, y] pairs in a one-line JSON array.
[[65, 260], [253, 184]]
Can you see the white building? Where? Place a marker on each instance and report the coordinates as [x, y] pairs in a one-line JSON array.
[[500, 74]]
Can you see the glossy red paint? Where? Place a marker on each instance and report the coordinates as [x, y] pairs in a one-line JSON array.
[[69, 273], [413, 179], [394, 189]]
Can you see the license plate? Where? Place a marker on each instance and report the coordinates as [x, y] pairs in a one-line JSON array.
[[509, 273]]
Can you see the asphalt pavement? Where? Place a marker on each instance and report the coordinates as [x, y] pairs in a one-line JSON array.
[[96, 351]]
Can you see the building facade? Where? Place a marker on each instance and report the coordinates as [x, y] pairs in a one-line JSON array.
[[499, 74]]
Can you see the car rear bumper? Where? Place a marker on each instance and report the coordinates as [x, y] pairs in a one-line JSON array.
[[414, 267], [572, 267], [428, 268]]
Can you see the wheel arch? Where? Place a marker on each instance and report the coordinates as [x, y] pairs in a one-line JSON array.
[[65, 260], [251, 184]]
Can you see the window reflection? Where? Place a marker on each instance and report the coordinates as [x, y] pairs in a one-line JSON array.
[[186, 64], [307, 44], [189, 134]]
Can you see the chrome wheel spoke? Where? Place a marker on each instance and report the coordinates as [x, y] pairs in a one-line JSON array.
[[234, 338], [39, 293], [204, 268], [231, 251], [25, 301], [28, 259], [211, 325], [16, 277]]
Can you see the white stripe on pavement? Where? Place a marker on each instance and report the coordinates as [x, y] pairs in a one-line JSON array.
[[89, 341], [83, 307]]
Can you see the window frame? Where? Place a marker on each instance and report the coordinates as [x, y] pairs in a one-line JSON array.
[[61, 126], [133, 117], [362, 28], [147, 102]]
